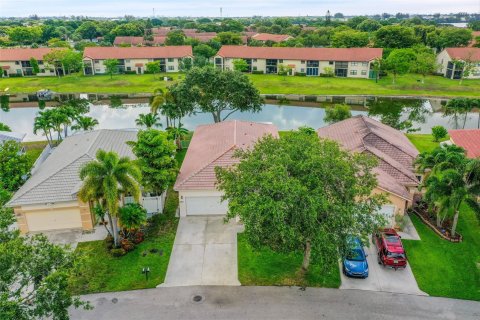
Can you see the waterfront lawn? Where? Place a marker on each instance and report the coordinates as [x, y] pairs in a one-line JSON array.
[[267, 268], [443, 268], [409, 84], [424, 142]]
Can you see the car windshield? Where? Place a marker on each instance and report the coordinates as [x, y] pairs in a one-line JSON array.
[[392, 239], [356, 255], [394, 255]]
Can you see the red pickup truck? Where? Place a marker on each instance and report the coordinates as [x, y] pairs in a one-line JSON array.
[[390, 251]]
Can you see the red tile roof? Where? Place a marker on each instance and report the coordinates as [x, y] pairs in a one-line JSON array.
[[395, 153], [213, 145], [23, 54], [464, 53], [137, 52], [468, 140], [128, 40], [271, 37], [322, 54]]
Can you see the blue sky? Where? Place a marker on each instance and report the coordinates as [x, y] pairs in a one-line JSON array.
[[111, 8]]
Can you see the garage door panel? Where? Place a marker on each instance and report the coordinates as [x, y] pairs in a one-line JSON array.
[[53, 219], [388, 213], [208, 205]]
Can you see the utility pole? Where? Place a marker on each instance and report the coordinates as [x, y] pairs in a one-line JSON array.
[[153, 12], [221, 12]]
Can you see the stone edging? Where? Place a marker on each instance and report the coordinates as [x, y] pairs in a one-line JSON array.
[[431, 226]]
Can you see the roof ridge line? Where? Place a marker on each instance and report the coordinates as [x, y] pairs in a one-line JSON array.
[[206, 165], [48, 177]]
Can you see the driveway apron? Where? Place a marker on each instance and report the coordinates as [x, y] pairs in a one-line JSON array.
[[204, 253]]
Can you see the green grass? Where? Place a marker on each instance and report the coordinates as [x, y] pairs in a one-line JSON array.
[[34, 149], [267, 268], [103, 273], [267, 84], [424, 142], [443, 268]]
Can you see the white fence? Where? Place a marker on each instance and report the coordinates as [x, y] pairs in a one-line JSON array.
[[153, 204]]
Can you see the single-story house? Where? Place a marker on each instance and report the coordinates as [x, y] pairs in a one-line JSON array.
[[264, 37], [134, 59], [16, 61], [468, 139], [395, 153], [447, 66], [211, 146], [341, 62], [48, 200]]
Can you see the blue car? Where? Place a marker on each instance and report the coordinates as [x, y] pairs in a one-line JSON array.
[[355, 262]]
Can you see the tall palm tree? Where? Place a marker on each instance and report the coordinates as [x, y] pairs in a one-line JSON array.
[[160, 97], [106, 180], [443, 157], [85, 123], [148, 120], [42, 122]]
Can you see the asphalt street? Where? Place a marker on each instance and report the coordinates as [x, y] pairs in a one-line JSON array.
[[230, 302]]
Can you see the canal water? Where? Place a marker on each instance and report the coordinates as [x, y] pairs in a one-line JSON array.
[[409, 115]]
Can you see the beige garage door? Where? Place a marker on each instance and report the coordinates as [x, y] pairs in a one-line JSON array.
[[206, 206], [54, 219]]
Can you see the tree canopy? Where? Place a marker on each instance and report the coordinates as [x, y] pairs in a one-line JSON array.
[[300, 193]]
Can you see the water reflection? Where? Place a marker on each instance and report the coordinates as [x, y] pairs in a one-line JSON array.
[[405, 114]]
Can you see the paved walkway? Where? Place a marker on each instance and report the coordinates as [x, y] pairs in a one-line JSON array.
[[204, 253], [272, 303], [73, 236]]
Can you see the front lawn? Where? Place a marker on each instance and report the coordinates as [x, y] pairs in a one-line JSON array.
[[267, 268], [443, 268], [424, 142], [101, 272]]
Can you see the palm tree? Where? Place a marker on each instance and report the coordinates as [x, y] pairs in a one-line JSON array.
[[42, 122], [106, 180], [85, 123], [178, 133], [148, 120], [443, 157], [160, 97]]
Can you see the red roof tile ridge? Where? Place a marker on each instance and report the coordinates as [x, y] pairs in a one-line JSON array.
[[193, 174]]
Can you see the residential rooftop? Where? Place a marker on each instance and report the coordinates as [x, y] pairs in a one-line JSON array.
[[464, 53], [24, 54], [137, 52], [468, 140]]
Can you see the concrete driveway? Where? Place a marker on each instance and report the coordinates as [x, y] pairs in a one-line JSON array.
[[72, 237], [204, 253], [383, 279]]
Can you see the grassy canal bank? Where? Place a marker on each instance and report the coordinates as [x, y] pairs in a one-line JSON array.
[[407, 85]]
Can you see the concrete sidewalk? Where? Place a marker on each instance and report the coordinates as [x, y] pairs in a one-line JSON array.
[[204, 253]]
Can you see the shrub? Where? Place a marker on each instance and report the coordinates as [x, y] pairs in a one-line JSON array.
[[257, 72], [130, 72], [109, 242], [438, 133], [337, 113], [118, 252], [138, 237], [127, 245], [326, 75], [310, 99], [300, 74]]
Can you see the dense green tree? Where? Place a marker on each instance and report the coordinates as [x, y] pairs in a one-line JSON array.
[[35, 275], [240, 65], [132, 217], [229, 38], [350, 39], [4, 127], [34, 65], [474, 25], [215, 91], [88, 30], [111, 66], [25, 35], [454, 37], [14, 165], [355, 21], [369, 25], [300, 193], [153, 67], [337, 113], [106, 180], [175, 38], [204, 50], [400, 61], [395, 37], [424, 63], [439, 132], [128, 29], [155, 153]]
